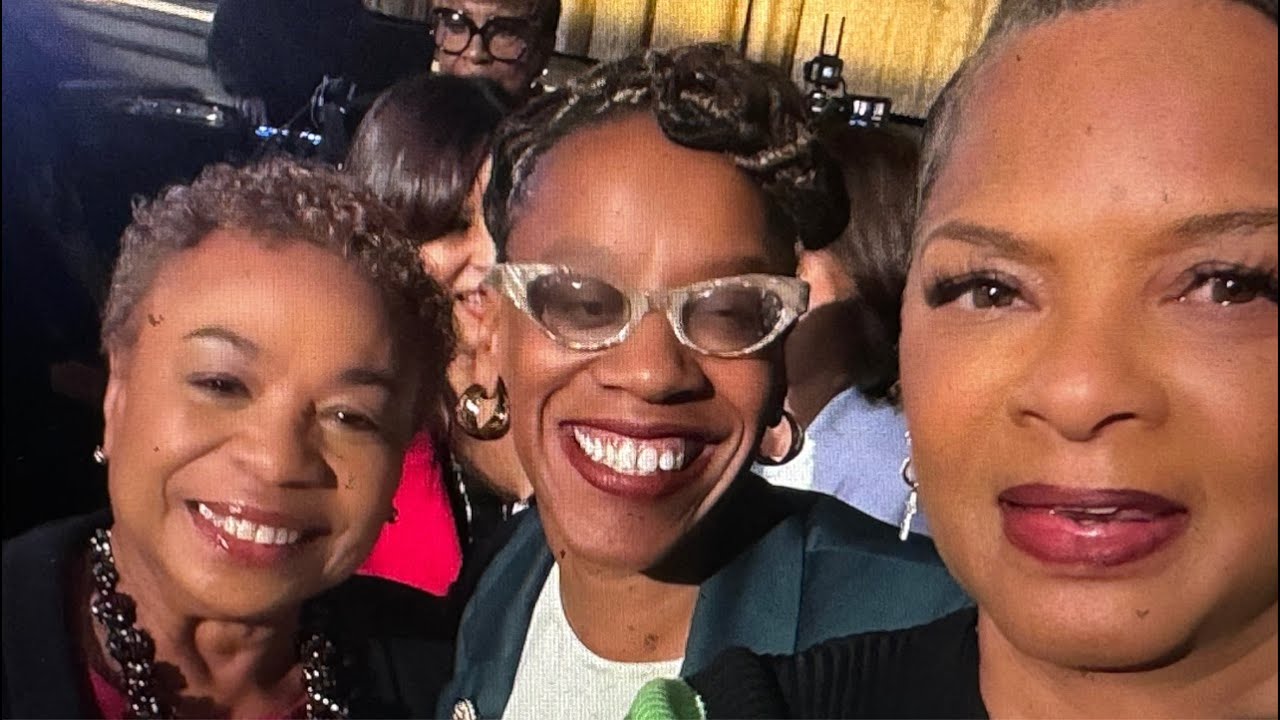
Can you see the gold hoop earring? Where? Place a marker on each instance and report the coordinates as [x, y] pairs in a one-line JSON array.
[[793, 451], [467, 414]]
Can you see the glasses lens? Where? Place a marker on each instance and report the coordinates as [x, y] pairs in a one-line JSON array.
[[730, 318], [453, 33], [581, 310], [507, 38]]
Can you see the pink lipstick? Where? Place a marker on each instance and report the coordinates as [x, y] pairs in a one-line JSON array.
[[1079, 526]]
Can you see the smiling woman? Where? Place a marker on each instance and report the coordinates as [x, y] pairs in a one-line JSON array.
[[254, 431], [649, 214]]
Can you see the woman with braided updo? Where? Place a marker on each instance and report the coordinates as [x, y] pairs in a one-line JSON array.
[[647, 217]]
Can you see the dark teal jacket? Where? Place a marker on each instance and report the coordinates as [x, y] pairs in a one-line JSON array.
[[822, 570]]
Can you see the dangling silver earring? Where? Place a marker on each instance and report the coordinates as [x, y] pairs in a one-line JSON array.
[[100, 455], [908, 477]]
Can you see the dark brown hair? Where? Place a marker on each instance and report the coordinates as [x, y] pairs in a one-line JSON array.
[[879, 165], [705, 97], [282, 200], [421, 145]]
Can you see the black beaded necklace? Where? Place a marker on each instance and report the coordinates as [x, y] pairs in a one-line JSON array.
[[135, 651]]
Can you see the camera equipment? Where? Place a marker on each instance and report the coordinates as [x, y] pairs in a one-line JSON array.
[[826, 72], [827, 93]]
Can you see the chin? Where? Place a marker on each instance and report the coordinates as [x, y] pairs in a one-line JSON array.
[[1099, 632]]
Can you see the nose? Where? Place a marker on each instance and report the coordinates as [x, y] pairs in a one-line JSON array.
[[282, 447], [652, 365], [1089, 377], [475, 50]]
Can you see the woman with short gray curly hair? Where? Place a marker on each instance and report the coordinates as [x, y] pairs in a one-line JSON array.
[[648, 216], [273, 344]]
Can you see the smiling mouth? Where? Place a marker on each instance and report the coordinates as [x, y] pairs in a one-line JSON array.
[[635, 457], [244, 529]]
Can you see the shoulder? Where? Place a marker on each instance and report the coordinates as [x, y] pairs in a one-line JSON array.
[[37, 559], [858, 576], [399, 641], [875, 674], [41, 667]]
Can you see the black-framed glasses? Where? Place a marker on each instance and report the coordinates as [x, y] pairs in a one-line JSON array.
[[724, 317], [505, 39]]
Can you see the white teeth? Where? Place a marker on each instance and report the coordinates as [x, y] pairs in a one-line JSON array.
[[648, 461], [627, 456], [631, 456], [243, 529]]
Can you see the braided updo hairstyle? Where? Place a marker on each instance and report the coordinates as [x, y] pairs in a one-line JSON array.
[[704, 97]]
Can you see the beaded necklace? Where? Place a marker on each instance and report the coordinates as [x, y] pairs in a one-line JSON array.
[[134, 650]]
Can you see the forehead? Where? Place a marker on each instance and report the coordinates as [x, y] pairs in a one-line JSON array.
[[621, 193], [481, 10], [285, 295], [1120, 110]]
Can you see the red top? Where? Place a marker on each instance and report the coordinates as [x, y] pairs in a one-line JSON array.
[[421, 548]]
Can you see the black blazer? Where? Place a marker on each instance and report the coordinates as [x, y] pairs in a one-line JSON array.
[[398, 640]]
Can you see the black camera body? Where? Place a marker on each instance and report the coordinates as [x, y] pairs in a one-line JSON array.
[[827, 95]]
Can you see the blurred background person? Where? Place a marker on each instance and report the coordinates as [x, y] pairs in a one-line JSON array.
[[507, 41], [842, 357], [254, 430], [424, 148]]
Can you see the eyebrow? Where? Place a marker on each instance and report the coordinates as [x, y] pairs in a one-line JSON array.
[[354, 376], [576, 256], [369, 377], [1002, 241], [214, 332], [1199, 227]]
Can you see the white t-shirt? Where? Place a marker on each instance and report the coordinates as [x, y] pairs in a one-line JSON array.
[[559, 677]]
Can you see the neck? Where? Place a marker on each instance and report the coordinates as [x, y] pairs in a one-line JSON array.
[[626, 616], [207, 666], [1235, 677], [646, 616], [817, 369]]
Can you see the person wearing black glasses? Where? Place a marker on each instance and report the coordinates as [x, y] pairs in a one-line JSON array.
[[507, 41]]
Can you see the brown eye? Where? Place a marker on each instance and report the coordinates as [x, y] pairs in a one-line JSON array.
[[984, 291], [992, 296], [728, 319], [1230, 286]]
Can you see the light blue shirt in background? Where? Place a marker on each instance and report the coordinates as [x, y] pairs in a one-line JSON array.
[[854, 451]]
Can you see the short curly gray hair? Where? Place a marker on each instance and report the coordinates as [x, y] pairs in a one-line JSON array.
[[287, 201], [704, 97]]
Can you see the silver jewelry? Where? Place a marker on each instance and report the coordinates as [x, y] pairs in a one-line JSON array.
[[912, 505], [100, 455]]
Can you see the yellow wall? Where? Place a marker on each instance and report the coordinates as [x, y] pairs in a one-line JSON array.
[[903, 49]]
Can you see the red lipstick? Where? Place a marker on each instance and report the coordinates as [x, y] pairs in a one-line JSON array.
[[1079, 526]]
